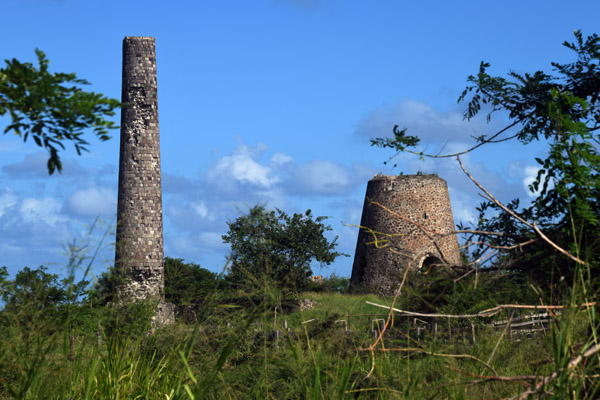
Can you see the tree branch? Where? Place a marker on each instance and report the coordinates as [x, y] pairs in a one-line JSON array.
[[531, 225]]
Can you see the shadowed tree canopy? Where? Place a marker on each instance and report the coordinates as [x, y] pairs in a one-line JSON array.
[[52, 108], [188, 283], [273, 247]]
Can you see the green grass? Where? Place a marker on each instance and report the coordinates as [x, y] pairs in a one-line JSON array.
[[317, 360]]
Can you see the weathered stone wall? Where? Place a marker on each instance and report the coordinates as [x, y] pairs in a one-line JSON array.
[[418, 238], [139, 250]]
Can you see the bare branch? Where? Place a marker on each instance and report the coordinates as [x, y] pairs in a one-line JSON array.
[[572, 363], [490, 312], [506, 328], [531, 225], [490, 140], [431, 353]]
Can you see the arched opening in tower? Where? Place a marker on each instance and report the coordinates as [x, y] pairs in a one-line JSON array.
[[430, 262]]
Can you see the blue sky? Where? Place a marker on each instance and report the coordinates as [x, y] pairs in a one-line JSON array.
[[271, 101]]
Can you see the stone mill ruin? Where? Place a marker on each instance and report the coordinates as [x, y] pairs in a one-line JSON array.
[[414, 230], [139, 243]]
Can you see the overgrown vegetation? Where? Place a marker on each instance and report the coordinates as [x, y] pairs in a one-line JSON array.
[[233, 352]]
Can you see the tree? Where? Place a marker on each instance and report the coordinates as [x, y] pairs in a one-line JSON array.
[[52, 108], [35, 288], [273, 247], [37, 298], [104, 290], [187, 283], [38, 289], [562, 111]]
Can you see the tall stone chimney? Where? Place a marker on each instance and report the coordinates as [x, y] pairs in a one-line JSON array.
[[139, 248]]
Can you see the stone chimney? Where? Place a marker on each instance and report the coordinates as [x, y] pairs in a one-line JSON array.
[[139, 248]]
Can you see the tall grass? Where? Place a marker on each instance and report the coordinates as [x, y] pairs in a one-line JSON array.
[[236, 356]]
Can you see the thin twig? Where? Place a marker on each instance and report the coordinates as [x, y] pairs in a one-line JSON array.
[[490, 140], [515, 379], [572, 363], [531, 225], [490, 312], [506, 328], [512, 247], [431, 353]]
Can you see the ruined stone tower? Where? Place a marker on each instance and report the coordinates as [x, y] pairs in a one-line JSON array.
[[139, 249], [417, 237]]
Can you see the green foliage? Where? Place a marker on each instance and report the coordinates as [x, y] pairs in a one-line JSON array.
[[564, 112], [400, 142], [52, 107], [33, 287], [38, 291], [273, 247], [188, 284], [104, 290], [330, 284]]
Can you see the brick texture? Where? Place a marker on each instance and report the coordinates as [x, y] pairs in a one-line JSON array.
[[139, 250], [388, 244]]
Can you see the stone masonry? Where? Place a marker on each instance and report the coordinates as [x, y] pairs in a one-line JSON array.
[[139, 249], [420, 238]]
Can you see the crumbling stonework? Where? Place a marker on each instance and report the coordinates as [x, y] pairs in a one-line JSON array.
[[417, 237], [139, 248]]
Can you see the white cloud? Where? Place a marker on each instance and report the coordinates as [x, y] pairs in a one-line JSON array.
[[242, 177], [212, 240], [440, 131], [197, 246], [243, 165], [323, 177], [326, 178], [92, 202], [197, 209], [32, 166], [463, 208], [280, 158], [202, 211], [7, 200], [46, 209]]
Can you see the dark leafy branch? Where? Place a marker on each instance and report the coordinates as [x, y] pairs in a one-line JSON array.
[[52, 108]]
